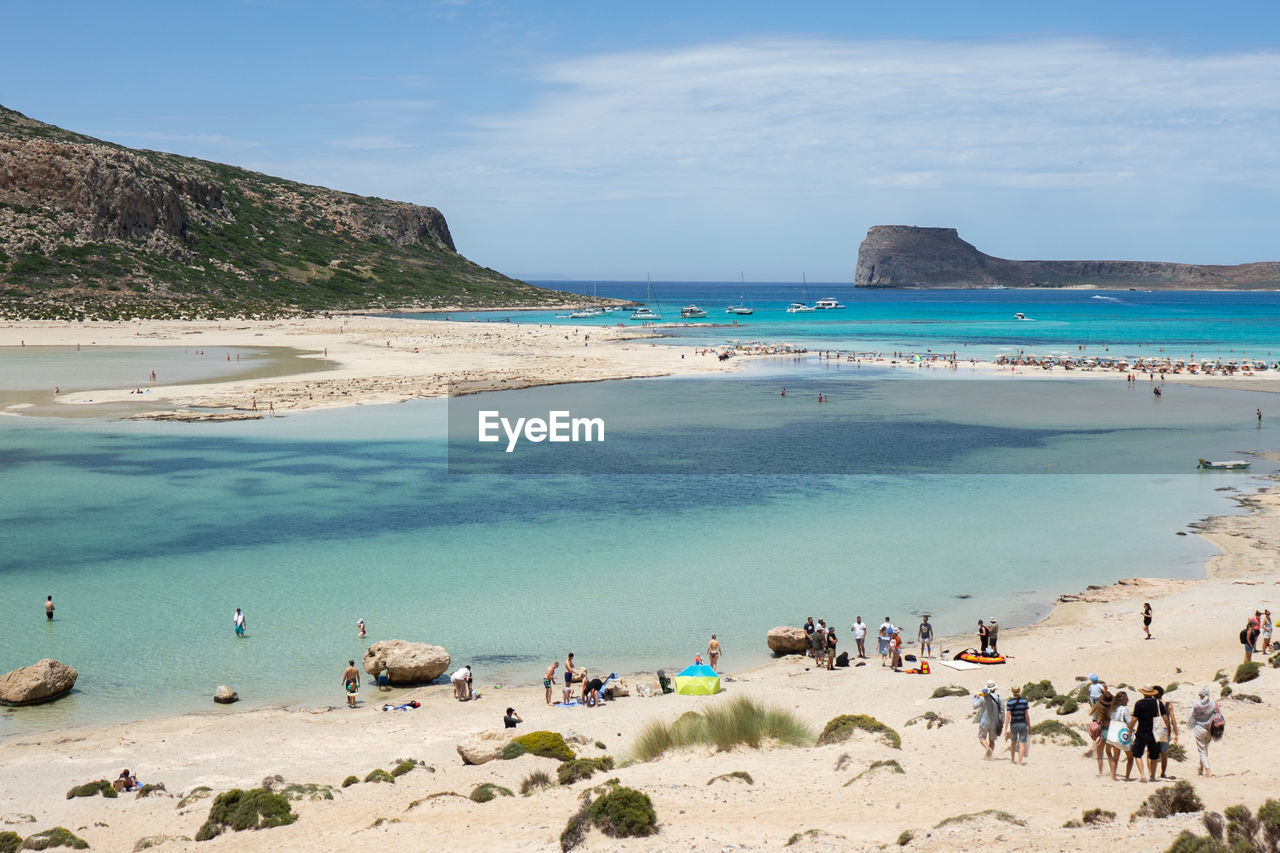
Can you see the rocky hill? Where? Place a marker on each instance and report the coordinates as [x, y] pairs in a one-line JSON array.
[[908, 256], [93, 229]]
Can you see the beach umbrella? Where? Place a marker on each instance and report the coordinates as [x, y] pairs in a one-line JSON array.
[[697, 680]]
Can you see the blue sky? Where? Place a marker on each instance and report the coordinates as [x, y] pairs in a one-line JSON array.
[[694, 141]]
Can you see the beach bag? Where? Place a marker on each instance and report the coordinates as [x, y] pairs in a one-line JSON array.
[[1119, 734], [842, 659], [1244, 635], [1217, 723]]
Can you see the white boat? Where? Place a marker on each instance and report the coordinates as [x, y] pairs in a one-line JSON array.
[[801, 307], [1019, 316], [692, 312], [741, 307], [827, 304], [644, 312], [586, 313], [1225, 465]]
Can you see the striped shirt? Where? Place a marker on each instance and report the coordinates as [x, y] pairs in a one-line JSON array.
[[1018, 711]]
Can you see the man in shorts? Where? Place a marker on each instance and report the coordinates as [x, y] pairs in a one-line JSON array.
[[238, 621], [925, 635], [1145, 712], [989, 718], [1019, 732], [859, 629], [351, 682], [549, 678]]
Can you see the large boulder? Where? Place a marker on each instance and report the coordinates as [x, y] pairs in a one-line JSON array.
[[785, 640], [481, 747], [407, 663], [43, 681], [224, 695]]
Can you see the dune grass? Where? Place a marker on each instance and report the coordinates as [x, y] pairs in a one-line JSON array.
[[741, 721]]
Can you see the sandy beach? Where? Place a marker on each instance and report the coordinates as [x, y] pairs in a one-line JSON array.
[[794, 789]]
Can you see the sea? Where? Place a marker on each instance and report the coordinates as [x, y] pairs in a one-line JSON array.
[[712, 506]]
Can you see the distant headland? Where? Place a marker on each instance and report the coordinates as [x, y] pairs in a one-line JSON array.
[[908, 256]]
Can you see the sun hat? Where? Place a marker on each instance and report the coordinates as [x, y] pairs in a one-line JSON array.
[[1015, 690], [991, 685], [1204, 691], [1149, 690]]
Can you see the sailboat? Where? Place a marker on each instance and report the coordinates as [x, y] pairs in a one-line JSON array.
[[801, 307], [741, 307], [644, 312]]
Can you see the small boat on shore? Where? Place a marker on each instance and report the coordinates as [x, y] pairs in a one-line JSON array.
[[1225, 465], [975, 656]]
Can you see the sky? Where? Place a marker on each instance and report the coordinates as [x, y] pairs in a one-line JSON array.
[[697, 141]]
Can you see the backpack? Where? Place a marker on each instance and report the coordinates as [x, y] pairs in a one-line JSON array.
[[1244, 635], [1217, 723]]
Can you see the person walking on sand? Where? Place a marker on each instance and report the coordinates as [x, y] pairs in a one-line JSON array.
[[882, 641], [1266, 632], [549, 678], [993, 636], [925, 635], [48, 607], [351, 681], [1120, 718], [713, 652], [1200, 724], [1146, 619], [1019, 732], [1102, 717], [1166, 730], [859, 629], [1248, 637], [990, 717], [1145, 713], [238, 621]]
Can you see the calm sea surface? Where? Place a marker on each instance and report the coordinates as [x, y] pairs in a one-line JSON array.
[[714, 506]]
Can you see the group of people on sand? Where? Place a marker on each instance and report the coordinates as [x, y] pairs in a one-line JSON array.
[[1256, 634], [993, 714], [590, 687], [823, 641], [1145, 734]]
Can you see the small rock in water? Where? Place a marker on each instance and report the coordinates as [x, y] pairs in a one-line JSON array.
[[1181, 533], [964, 595], [224, 695]]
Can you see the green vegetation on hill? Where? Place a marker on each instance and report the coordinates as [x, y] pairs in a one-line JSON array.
[[93, 229]]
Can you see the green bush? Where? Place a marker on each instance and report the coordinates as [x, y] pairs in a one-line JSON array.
[[59, 836], [350, 780], [92, 789], [905, 838], [1274, 660], [579, 769], [149, 789], [741, 721], [403, 767], [197, 793], [488, 791], [949, 690], [624, 813], [239, 810], [380, 775], [931, 719], [1068, 706], [1171, 799], [1225, 691], [1246, 671], [575, 831], [841, 728], [1055, 729], [889, 764], [1097, 816], [546, 745], [1189, 842], [1038, 691], [534, 781], [740, 775], [514, 749], [996, 814], [9, 841]]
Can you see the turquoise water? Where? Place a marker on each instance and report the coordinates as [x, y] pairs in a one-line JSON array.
[[150, 535], [975, 323]]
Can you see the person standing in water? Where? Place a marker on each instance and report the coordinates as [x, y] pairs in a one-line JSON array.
[[238, 621], [351, 681], [48, 607], [713, 652]]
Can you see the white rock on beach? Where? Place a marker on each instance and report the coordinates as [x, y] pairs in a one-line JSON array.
[[481, 747], [785, 640], [224, 695], [407, 663], [43, 681]]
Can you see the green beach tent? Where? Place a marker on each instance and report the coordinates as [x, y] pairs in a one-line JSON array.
[[697, 680]]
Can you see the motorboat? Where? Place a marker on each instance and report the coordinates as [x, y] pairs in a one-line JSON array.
[[692, 312], [827, 304], [586, 313], [645, 313], [1225, 465], [1019, 316], [799, 308]]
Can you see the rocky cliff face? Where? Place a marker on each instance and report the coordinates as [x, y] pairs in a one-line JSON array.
[[88, 228], [909, 256]]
